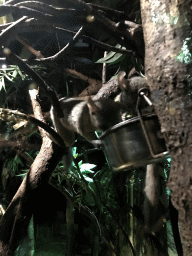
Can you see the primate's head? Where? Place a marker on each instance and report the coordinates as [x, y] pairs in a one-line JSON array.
[[104, 113]]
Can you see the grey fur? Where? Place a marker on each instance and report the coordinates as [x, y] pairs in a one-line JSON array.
[[85, 117]]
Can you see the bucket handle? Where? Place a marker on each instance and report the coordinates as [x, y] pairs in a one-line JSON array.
[[144, 92]]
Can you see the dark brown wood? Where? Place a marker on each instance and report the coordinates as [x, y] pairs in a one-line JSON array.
[[168, 74]]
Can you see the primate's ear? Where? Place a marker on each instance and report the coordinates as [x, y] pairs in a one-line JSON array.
[[122, 81], [92, 106]]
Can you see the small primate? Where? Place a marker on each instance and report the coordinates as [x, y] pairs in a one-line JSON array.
[[128, 99], [85, 117], [129, 92]]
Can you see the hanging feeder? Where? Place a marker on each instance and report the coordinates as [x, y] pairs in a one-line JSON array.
[[134, 142]]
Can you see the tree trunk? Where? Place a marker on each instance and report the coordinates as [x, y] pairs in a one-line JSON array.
[[166, 26]]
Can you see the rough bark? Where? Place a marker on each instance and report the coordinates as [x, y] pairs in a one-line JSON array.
[[166, 26], [14, 223]]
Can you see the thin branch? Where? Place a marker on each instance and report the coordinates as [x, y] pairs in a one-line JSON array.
[[79, 15], [26, 156], [66, 49], [112, 28], [23, 11], [95, 42], [37, 79], [105, 21], [12, 2], [48, 28], [75, 3], [94, 85], [15, 144], [111, 12], [109, 89], [107, 47], [104, 71], [10, 31], [29, 48], [48, 129], [32, 25], [4, 26], [43, 7], [60, 17], [6, 113]]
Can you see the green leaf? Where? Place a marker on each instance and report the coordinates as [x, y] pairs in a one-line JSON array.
[[8, 78], [15, 72], [20, 73], [116, 57], [74, 152], [114, 76], [88, 179], [109, 55], [80, 163], [87, 167], [2, 83]]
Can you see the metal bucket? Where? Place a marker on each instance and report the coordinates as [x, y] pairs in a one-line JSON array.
[[128, 144]]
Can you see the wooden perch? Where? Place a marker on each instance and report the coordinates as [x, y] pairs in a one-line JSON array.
[[94, 85], [109, 89]]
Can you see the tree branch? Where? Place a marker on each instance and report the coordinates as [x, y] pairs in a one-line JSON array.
[[66, 49], [15, 115], [43, 7], [115, 30], [94, 85], [14, 223], [11, 31], [109, 89], [14, 144], [23, 11], [37, 79], [110, 12]]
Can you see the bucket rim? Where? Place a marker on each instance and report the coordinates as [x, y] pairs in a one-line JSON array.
[[125, 123]]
